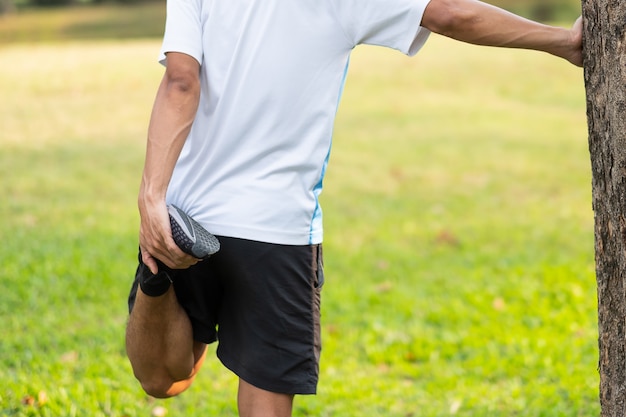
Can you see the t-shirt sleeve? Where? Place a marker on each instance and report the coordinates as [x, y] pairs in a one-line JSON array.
[[391, 23], [183, 29]]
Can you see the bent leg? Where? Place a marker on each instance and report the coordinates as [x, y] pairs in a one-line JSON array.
[[255, 402], [160, 345]]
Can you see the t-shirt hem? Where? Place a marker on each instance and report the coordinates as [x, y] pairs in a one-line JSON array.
[[174, 46], [266, 235], [421, 35]]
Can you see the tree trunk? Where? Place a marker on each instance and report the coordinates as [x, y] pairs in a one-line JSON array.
[[605, 82]]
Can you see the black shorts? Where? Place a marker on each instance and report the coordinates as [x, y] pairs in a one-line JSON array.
[[262, 302]]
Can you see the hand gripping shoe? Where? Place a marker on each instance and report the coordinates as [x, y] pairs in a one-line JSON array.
[[190, 237]]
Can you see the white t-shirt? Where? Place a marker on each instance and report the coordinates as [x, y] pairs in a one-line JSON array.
[[272, 72]]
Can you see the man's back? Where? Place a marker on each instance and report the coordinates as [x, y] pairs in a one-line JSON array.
[[272, 73]]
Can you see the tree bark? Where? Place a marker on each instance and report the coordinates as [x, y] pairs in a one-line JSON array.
[[605, 81]]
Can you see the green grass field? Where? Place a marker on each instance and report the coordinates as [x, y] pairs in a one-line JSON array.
[[459, 236], [105, 21]]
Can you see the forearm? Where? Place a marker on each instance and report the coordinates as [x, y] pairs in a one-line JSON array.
[[173, 113], [479, 23]]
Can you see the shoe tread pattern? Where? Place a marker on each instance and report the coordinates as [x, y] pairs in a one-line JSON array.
[[204, 245]]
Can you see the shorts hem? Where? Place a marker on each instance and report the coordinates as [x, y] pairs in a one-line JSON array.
[[284, 388]]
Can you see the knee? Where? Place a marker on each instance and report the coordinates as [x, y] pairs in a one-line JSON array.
[[157, 388], [164, 387]]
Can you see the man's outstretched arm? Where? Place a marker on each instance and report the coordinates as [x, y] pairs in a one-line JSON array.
[[479, 23]]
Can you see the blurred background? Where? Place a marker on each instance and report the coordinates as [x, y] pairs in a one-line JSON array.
[[543, 10]]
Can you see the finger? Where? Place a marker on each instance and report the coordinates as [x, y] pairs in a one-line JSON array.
[[181, 260], [150, 262]]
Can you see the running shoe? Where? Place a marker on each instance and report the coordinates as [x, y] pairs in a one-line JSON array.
[[190, 236]]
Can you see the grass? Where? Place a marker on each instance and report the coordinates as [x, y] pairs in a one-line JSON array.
[[459, 241], [104, 21]]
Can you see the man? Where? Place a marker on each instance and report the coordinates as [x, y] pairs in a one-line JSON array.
[[239, 139]]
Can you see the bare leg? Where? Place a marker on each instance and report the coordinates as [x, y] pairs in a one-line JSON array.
[[160, 345], [255, 402]]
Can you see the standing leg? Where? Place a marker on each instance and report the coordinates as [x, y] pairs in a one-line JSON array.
[[255, 402], [160, 345]]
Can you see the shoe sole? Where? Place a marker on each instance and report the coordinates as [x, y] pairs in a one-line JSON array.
[[190, 236]]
